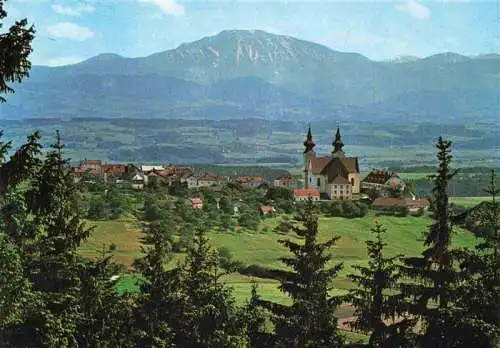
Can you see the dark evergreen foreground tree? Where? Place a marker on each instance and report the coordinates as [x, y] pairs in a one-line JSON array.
[[189, 306], [15, 47], [154, 313], [105, 314], [479, 294], [376, 300], [256, 322], [309, 321], [205, 312], [48, 243], [434, 276], [61, 296]]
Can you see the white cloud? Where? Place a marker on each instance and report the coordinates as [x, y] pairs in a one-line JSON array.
[[415, 9], [74, 11], [171, 7], [60, 61], [70, 30]]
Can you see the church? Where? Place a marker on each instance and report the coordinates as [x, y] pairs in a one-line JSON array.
[[335, 176]]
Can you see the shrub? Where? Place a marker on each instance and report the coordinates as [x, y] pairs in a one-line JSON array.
[[262, 272]]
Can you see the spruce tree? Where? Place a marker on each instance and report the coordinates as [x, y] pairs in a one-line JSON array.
[[14, 288], [15, 48], [479, 293], [153, 312], [376, 299], [50, 259], [105, 314], [309, 321], [204, 310], [256, 321], [433, 276]]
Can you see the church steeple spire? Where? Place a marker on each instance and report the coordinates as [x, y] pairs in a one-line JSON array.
[[309, 143], [337, 145]]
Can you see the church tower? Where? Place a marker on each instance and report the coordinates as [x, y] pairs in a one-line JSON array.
[[308, 154], [337, 146]]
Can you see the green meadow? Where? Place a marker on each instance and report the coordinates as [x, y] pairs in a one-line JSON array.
[[469, 202], [261, 247]]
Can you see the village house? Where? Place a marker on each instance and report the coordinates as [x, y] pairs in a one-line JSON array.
[[86, 168], [156, 177], [383, 181], [413, 205], [305, 194], [79, 173], [207, 179], [267, 210], [113, 172], [336, 176], [91, 164], [196, 203], [190, 180], [284, 180], [139, 181], [249, 181]]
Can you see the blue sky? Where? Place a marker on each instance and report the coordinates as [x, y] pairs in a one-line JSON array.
[[69, 31]]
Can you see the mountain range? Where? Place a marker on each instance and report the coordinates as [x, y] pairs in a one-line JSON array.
[[243, 73]]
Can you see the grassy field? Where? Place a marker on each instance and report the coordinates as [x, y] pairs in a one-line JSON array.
[[404, 236], [469, 201], [125, 234]]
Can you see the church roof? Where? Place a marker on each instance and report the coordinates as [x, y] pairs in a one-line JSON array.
[[333, 167], [319, 163], [350, 164], [340, 180]]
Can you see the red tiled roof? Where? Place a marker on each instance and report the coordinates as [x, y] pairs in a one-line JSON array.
[[208, 177], [249, 179], [306, 193], [378, 176], [196, 200], [388, 202], [115, 168]]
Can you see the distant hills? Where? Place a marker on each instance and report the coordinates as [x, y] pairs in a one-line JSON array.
[[240, 73]]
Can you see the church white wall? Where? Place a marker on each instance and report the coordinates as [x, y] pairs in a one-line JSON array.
[[354, 178]]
